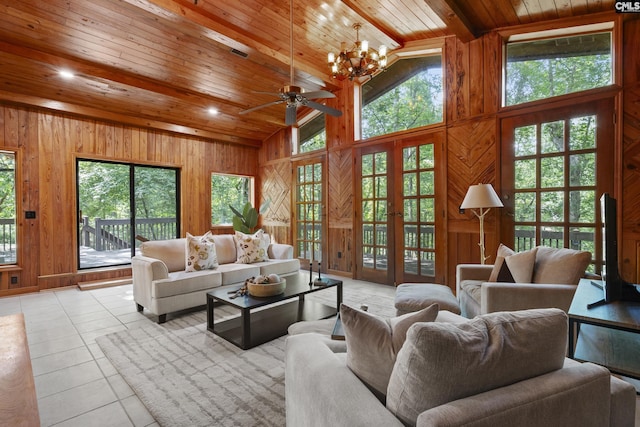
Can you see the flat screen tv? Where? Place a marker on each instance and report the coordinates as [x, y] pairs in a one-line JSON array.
[[614, 287]]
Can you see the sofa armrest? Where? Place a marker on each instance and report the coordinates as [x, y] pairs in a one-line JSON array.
[[320, 390], [144, 271], [472, 272], [562, 398], [522, 296], [280, 251]]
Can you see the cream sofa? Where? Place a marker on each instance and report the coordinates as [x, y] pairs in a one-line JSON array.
[[161, 284], [321, 390], [554, 277]]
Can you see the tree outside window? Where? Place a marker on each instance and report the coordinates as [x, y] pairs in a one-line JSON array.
[[408, 95], [234, 190]]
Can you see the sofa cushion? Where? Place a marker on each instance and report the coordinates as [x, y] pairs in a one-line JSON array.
[[171, 252], [182, 282], [441, 362], [225, 248], [251, 247], [560, 265], [200, 253], [237, 273], [278, 266], [373, 342], [503, 251]]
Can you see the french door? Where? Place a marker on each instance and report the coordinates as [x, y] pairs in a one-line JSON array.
[[556, 164], [309, 212], [396, 211]]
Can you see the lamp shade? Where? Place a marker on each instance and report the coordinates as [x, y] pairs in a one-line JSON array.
[[481, 196]]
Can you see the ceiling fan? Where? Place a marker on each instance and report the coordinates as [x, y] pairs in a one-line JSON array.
[[295, 96]]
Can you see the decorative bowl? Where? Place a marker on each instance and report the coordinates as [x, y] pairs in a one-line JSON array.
[[266, 289]]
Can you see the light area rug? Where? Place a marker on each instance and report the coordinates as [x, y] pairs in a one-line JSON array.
[[187, 376]]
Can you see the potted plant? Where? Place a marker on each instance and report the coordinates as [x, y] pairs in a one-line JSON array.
[[246, 220]]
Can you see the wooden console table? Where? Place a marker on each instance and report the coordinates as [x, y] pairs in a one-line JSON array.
[[608, 335], [19, 405]]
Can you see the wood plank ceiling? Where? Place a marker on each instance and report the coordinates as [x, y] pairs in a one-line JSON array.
[[163, 63]]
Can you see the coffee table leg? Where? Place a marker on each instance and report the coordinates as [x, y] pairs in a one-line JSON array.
[[246, 328], [209, 313], [339, 296]]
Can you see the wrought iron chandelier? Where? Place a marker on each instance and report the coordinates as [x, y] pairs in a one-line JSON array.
[[358, 61]]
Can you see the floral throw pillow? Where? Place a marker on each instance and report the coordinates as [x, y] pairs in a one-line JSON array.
[[200, 253], [251, 247]]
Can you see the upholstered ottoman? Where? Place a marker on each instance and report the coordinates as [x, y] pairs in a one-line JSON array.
[[412, 297]]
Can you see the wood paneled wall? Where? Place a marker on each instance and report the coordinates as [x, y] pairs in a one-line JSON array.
[[48, 145], [472, 117], [630, 168]]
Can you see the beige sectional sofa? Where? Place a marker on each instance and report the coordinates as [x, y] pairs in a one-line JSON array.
[[161, 284], [455, 372]]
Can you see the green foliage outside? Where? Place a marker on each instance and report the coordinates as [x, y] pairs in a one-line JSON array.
[[412, 103], [7, 185], [228, 190]]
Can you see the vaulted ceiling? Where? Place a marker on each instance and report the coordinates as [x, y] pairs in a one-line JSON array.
[[164, 63]]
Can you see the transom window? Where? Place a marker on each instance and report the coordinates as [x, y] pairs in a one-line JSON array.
[[409, 94], [543, 68], [312, 135]]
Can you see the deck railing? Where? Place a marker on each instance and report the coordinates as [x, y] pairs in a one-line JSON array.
[[115, 234]]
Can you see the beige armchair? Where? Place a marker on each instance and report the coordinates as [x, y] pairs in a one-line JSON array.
[[554, 278]]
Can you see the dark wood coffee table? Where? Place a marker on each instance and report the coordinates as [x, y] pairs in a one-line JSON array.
[[608, 335], [263, 319]]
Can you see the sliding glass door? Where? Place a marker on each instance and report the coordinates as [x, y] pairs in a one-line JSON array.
[[119, 206]]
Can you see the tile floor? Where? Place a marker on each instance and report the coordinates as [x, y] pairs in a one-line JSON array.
[[75, 383]]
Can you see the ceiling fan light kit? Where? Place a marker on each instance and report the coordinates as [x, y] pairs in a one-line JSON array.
[[295, 96], [358, 61]]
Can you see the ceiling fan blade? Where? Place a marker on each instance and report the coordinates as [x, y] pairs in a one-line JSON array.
[[323, 108], [266, 93], [291, 117], [318, 94], [268, 104]]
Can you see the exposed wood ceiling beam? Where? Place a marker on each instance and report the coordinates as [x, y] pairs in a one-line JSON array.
[[389, 32], [94, 113], [233, 36], [62, 59], [454, 18]]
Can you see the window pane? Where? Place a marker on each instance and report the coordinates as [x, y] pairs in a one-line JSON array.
[[410, 213], [8, 242], [582, 206], [583, 239], [525, 141], [525, 236], [313, 135], [427, 210], [407, 95], [410, 185], [525, 173], [582, 132], [552, 236], [540, 69], [409, 158], [551, 172], [552, 206], [426, 156], [427, 183], [582, 170], [228, 190], [525, 207], [552, 137]]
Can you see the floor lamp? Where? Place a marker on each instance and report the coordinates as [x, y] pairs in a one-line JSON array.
[[482, 197]]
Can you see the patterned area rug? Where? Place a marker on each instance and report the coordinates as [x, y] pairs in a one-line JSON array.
[[187, 376]]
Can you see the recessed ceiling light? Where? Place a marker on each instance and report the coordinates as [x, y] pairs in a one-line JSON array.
[[212, 111], [66, 74]]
